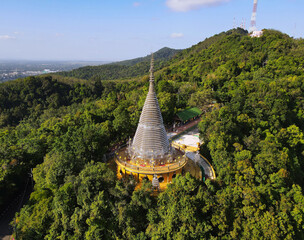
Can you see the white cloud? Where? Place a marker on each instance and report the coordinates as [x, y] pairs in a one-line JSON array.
[[187, 5], [136, 4], [6, 37], [176, 35]]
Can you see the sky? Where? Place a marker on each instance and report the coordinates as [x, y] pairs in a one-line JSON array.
[[112, 30]]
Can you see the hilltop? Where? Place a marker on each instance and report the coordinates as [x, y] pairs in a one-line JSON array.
[[124, 69], [163, 54], [235, 54]]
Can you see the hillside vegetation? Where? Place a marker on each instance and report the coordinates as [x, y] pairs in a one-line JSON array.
[[124, 69], [253, 135]]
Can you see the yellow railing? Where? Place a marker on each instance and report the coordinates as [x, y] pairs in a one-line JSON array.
[[192, 149], [184, 147], [150, 169], [213, 172]]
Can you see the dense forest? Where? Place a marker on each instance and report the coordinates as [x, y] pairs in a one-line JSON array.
[[63, 127], [125, 69]]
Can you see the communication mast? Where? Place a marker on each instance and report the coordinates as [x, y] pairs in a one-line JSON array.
[[253, 29], [253, 16]]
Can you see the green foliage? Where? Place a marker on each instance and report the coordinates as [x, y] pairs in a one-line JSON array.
[[178, 214], [66, 137], [90, 205], [124, 69], [255, 139]]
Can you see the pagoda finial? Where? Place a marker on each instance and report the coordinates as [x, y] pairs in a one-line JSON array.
[[152, 68]]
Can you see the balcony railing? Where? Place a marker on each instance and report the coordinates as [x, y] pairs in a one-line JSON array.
[[169, 167]]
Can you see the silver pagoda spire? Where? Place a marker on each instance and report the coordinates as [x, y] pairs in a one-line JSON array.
[[150, 142]]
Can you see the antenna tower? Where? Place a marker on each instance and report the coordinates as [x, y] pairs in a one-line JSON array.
[[253, 16], [243, 24]]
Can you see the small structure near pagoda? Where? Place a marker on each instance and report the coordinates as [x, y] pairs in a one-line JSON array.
[[149, 155], [187, 115]]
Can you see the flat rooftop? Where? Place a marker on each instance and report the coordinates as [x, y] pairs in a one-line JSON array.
[[190, 138]]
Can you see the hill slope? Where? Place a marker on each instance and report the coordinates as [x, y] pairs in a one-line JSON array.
[[163, 54], [235, 54], [124, 69]]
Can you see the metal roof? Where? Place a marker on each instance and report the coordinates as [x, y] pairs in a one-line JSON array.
[[189, 113]]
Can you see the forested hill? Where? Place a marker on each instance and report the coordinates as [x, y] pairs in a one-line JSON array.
[[253, 132], [163, 54], [124, 69], [234, 54]]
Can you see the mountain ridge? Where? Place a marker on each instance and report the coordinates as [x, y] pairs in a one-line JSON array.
[[123, 69]]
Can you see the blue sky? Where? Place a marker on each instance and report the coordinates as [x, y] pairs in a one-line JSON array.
[[123, 29]]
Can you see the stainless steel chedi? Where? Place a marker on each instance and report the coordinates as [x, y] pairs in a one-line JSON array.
[[150, 142]]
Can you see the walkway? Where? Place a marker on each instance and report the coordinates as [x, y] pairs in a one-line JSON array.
[[188, 142], [184, 127], [204, 163]]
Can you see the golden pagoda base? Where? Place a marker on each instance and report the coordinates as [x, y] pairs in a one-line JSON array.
[[126, 169]]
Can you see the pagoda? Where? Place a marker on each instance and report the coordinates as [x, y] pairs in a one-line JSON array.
[[150, 144], [149, 155]]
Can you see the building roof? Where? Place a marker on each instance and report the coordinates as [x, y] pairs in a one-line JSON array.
[[150, 140], [189, 113]]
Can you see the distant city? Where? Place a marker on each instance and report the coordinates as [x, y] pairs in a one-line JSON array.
[[13, 69]]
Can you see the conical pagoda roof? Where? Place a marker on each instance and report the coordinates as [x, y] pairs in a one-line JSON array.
[[150, 140]]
